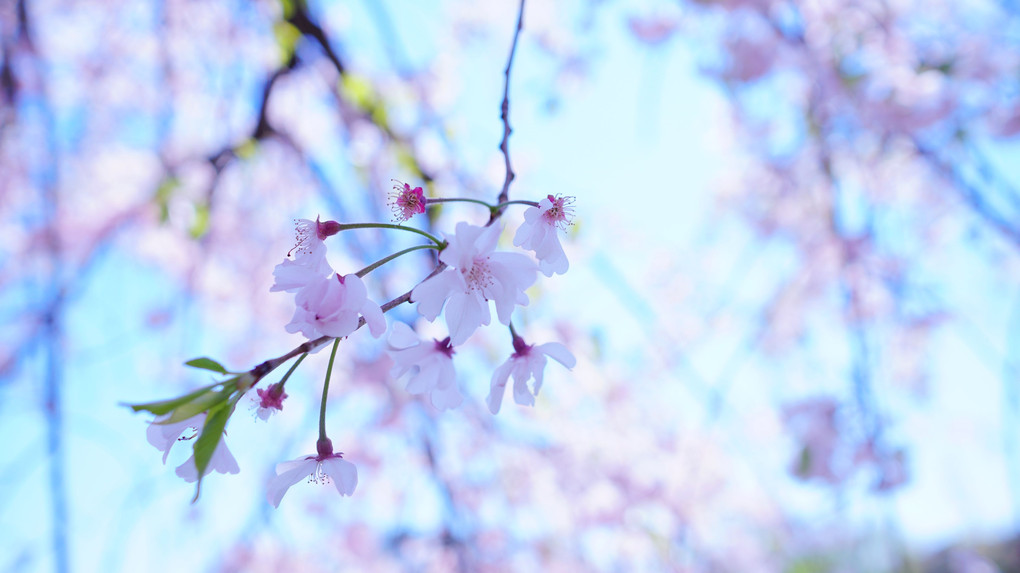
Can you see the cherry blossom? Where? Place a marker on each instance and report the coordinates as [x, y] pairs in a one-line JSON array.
[[406, 202], [323, 468], [330, 306], [538, 233], [477, 275], [270, 401], [307, 260], [222, 461], [164, 436], [525, 363], [430, 364]]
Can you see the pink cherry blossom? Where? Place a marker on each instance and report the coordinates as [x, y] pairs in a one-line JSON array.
[[307, 260], [538, 233], [270, 401], [430, 364], [330, 306], [406, 202], [477, 275], [525, 363], [323, 468]]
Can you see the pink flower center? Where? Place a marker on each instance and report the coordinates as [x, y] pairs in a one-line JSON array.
[[406, 202], [445, 347], [561, 212], [272, 397], [479, 276], [521, 348]]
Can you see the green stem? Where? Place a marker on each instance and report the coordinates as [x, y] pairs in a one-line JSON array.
[[292, 369], [383, 261], [325, 391], [519, 202], [389, 226], [455, 200]]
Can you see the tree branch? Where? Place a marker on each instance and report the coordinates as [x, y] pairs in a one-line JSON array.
[[505, 115]]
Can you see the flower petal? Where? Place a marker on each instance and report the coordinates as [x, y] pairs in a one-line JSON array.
[[447, 398], [464, 314], [402, 336], [432, 293], [288, 474], [343, 473], [373, 318], [557, 352], [497, 386]]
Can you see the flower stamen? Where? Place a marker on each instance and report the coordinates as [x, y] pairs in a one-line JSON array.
[[561, 212], [406, 202]]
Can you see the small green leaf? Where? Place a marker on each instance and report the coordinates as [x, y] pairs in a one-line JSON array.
[[407, 160], [206, 364], [287, 36], [164, 406], [358, 90], [208, 401], [205, 445], [164, 192], [288, 8], [201, 223], [247, 149]]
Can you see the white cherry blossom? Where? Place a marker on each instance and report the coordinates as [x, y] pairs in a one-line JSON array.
[[525, 363], [323, 468], [307, 260], [222, 461], [476, 275], [538, 233], [430, 364], [164, 436]]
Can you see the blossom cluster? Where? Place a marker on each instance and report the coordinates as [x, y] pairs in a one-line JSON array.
[[471, 273]]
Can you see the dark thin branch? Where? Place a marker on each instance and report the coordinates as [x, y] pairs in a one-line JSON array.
[[304, 24], [505, 115]]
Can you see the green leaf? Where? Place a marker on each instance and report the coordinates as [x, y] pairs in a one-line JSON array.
[[288, 8], [206, 364], [201, 223], [205, 445], [208, 401], [287, 36], [358, 90], [164, 192], [165, 406], [247, 149]]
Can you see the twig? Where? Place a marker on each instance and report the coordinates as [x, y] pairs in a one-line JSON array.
[[505, 115]]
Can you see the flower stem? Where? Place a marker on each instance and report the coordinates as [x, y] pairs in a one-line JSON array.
[[456, 200], [389, 226], [325, 391], [518, 202], [385, 260], [292, 369]]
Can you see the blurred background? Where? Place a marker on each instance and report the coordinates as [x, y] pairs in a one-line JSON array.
[[793, 292]]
